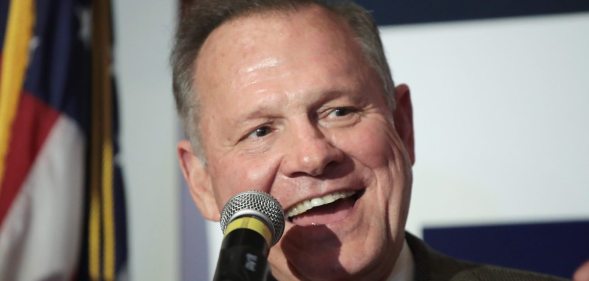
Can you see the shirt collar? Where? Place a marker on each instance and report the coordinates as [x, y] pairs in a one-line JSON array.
[[403, 270]]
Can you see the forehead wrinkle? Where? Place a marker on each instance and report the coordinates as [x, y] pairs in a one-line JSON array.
[[260, 78], [265, 63], [278, 23], [281, 26], [267, 108]]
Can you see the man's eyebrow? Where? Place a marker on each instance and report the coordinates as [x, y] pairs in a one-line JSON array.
[[354, 95], [268, 111], [260, 113]]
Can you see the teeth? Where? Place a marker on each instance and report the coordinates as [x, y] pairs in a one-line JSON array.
[[315, 202]]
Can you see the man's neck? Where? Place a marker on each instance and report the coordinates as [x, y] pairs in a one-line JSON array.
[[403, 270]]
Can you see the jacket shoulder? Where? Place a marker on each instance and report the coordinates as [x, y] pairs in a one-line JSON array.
[[495, 273], [431, 265]]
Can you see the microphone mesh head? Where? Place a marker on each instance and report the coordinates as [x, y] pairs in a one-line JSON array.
[[258, 204]]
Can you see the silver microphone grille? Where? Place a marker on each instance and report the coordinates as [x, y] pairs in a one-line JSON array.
[[255, 203]]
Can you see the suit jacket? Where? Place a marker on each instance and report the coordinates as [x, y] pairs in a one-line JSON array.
[[433, 266]]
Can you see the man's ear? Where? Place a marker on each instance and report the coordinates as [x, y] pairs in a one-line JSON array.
[[198, 180], [403, 116]]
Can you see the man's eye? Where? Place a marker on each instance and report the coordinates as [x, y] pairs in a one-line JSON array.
[[341, 111], [340, 116], [260, 132]]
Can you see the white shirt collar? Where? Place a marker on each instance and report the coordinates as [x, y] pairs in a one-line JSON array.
[[403, 270]]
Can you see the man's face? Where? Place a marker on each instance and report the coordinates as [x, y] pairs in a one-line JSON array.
[[291, 107]]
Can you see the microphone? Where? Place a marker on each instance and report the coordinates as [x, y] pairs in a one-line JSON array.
[[252, 222]]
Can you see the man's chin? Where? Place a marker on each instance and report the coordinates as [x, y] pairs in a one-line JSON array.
[[316, 253], [327, 266]]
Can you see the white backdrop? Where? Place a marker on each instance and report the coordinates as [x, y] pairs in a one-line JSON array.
[[501, 117], [143, 30]]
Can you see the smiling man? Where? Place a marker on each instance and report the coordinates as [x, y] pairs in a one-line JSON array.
[[295, 98]]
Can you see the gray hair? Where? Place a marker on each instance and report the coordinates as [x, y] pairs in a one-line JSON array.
[[206, 15]]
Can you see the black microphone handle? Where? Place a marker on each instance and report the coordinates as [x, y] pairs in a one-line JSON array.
[[243, 257]]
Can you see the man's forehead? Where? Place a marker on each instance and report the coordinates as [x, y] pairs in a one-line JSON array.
[[245, 33], [245, 37]]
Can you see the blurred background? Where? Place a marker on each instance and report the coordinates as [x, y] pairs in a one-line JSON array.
[[500, 93]]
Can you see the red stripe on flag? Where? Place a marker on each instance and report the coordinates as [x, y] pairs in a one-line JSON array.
[[33, 122]]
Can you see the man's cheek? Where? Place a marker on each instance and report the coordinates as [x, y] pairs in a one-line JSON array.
[[257, 175], [372, 147], [244, 174]]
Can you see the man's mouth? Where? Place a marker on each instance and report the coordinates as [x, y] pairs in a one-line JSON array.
[[323, 209]]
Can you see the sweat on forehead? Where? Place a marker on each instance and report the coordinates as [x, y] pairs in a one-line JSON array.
[[237, 41]]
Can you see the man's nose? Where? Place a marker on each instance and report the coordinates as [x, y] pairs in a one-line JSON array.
[[310, 151]]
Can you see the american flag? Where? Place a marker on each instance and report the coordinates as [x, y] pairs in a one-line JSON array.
[[62, 211]]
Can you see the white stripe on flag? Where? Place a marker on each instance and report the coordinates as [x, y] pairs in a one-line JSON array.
[[40, 237]]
